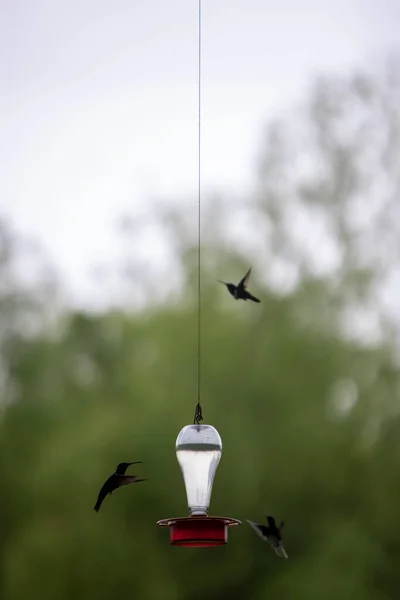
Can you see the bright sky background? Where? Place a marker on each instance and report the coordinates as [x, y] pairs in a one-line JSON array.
[[98, 104]]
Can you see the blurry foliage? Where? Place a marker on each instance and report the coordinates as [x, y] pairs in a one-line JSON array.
[[307, 412]]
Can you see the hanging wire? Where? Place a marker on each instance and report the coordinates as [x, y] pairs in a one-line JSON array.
[[198, 416]]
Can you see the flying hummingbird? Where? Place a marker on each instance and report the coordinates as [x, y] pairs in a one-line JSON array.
[[239, 291], [115, 481], [271, 534]]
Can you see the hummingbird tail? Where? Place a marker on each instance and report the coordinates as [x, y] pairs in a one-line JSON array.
[[251, 297], [280, 551]]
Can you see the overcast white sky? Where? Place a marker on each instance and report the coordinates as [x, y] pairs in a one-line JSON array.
[[98, 104]]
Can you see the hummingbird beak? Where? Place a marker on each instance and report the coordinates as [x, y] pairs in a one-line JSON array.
[[139, 462], [219, 281], [256, 528]]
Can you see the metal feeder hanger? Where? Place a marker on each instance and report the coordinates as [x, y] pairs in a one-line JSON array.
[[199, 447]]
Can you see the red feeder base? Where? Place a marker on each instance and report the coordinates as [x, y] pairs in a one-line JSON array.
[[199, 531]]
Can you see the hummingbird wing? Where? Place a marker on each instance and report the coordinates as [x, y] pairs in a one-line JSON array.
[[271, 522], [243, 282], [127, 479]]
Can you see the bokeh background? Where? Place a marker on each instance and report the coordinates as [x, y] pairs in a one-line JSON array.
[[98, 294]]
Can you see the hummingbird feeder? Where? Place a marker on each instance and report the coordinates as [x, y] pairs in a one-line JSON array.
[[198, 450]]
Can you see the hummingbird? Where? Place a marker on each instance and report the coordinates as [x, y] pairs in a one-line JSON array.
[[271, 534], [116, 480], [239, 291]]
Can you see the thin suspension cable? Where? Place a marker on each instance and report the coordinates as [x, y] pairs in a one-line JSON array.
[[198, 414]]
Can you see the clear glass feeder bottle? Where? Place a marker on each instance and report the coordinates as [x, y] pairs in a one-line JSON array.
[[198, 450]]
